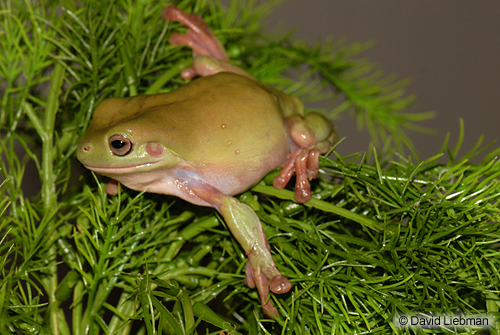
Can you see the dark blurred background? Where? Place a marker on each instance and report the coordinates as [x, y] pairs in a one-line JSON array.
[[449, 48]]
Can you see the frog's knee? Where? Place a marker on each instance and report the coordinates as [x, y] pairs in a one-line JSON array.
[[207, 66], [322, 128], [310, 130]]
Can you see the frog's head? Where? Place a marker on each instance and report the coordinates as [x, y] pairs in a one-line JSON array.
[[122, 141]]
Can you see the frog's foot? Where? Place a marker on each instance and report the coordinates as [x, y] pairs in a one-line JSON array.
[[311, 135], [201, 40], [199, 37], [271, 280], [305, 164]]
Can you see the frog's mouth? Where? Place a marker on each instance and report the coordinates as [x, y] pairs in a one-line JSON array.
[[124, 169]]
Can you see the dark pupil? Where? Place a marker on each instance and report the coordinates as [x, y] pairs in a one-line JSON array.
[[118, 144]]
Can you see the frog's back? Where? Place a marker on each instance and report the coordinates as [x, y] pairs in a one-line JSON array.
[[226, 126]]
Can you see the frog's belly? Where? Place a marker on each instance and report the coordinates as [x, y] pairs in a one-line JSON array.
[[238, 176]]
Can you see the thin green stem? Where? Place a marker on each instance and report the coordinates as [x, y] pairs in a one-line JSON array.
[[98, 271], [48, 177], [168, 75], [78, 308], [48, 180]]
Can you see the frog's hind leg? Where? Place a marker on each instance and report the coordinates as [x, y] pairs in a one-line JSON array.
[[210, 57], [312, 135]]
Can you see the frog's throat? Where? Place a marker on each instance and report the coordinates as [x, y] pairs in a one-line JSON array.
[[126, 169]]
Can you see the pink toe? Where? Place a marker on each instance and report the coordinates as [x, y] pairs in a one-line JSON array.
[[313, 164], [188, 73], [302, 188], [281, 180], [280, 285], [249, 278], [270, 310]]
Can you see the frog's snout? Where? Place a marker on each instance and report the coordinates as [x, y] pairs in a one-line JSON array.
[[83, 146], [83, 150]]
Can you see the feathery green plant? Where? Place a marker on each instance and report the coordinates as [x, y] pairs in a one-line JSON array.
[[385, 233]]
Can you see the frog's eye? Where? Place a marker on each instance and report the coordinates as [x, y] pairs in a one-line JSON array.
[[120, 145]]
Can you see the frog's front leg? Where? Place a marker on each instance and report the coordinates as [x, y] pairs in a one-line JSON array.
[[261, 271], [210, 57], [311, 135]]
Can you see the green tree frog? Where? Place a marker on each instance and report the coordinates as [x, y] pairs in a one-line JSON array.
[[209, 140]]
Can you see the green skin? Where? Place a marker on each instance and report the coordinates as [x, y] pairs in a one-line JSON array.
[[212, 138]]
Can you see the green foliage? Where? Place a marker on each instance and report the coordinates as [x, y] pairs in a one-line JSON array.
[[390, 234]]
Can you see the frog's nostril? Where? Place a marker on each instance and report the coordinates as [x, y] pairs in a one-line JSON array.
[[86, 148]]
